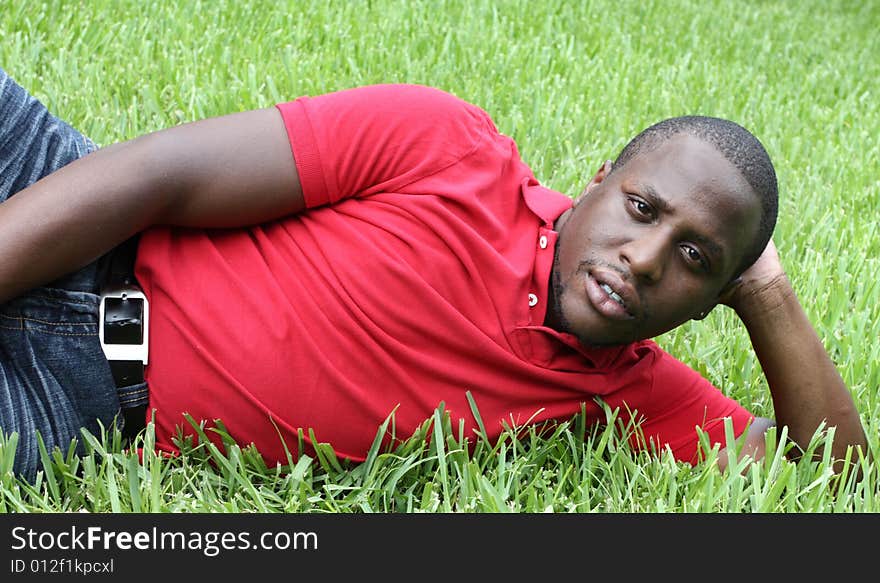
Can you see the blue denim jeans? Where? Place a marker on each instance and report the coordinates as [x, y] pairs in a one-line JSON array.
[[54, 378]]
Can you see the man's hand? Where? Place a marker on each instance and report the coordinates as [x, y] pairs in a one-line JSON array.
[[746, 290]]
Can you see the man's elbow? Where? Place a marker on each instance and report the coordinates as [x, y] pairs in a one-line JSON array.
[[752, 447]]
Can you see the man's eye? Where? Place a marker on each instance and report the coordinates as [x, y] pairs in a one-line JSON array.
[[693, 254], [641, 207]]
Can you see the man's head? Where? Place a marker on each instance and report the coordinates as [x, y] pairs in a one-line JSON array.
[[656, 237]]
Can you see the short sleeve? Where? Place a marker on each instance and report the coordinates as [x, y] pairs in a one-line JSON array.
[[378, 138], [681, 401]]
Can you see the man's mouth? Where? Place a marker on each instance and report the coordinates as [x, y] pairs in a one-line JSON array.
[[611, 296]]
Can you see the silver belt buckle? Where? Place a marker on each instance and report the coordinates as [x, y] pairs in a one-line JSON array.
[[125, 351]]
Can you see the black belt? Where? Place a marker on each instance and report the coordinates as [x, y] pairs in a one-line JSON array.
[[124, 325]]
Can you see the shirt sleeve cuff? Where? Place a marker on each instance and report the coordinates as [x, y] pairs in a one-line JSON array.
[[304, 147]]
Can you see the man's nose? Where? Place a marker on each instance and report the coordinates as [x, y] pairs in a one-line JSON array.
[[646, 256]]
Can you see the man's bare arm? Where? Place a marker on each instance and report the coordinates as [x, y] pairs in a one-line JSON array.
[[804, 383], [228, 171]]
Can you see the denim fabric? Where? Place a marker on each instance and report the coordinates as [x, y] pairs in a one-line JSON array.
[[54, 378]]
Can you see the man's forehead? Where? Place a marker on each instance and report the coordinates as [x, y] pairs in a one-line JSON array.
[[684, 149], [688, 165]]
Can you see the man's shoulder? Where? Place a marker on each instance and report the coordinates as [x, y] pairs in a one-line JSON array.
[[422, 106]]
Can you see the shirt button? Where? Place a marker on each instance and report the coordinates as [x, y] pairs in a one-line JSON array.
[[542, 242], [533, 300]]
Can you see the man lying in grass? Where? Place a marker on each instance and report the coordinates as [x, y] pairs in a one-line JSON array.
[[326, 262]]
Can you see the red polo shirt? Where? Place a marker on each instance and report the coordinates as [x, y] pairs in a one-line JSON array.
[[418, 274]]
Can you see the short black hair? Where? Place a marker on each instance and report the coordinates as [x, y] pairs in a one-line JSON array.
[[738, 146]]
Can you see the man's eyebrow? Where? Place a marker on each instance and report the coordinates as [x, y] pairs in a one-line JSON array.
[[654, 197], [661, 204]]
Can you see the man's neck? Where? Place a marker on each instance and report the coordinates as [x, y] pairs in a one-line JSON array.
[[561, 220]]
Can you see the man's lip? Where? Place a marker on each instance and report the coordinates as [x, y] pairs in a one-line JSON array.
[[620, 286], [602, 302]]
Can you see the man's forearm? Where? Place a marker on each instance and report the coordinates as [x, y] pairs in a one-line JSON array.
[[805, 385], [76, 214]]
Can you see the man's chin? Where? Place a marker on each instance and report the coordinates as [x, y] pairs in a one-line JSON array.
[[588, 343], [607, 338], [557, 320]]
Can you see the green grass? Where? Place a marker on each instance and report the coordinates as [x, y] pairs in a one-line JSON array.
[[571, 82]]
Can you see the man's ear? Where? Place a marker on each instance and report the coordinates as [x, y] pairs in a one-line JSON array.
[[723, 297], [603, 171], [728, 290], [702, 315]]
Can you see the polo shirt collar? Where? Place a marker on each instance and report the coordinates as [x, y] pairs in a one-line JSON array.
[[548, 205]]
